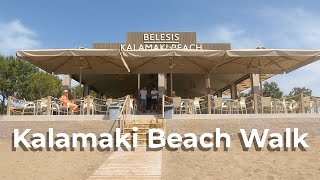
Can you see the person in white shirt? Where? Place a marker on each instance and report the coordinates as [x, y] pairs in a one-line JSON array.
[[143, 99], [154, 99]]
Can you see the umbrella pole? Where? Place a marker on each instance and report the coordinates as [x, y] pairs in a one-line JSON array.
[[260, 82], [80, 81], [171, 84], [138, 90]]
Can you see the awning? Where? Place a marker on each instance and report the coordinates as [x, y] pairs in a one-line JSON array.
[[112, 61], [69, 61]]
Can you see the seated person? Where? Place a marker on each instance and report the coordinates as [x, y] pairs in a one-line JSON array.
[[65, 102]]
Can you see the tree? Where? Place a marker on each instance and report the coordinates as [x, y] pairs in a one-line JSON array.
[[23, 80], [77, 91], [296, 91], [271, 90], [41, 84], [245, 94]]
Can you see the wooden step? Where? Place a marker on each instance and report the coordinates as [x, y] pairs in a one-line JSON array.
[[140, 130], [153, 121], [142, 126], [143, 129], [142, 141], [140, 136]]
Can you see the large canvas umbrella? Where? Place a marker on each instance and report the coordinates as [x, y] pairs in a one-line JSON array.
[[77, 61], [266, 61], [173, 61], [70, 61]]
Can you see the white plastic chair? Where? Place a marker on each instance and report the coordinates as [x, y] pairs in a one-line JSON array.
[[23, 105], [91, 106], [293, 106], [177, 104], [243, 105], [236, 108], [196, 105], [307, 104], [133, 107], [266, 103], [217, 104], [42, 105]]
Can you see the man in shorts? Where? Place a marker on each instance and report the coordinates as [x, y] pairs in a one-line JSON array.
[[143, 99], [154, 99]]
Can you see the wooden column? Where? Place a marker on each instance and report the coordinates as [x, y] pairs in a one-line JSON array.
[[255, 103], [138, 91], [86, 90], [302, 105], [233, 89], [208, 84], [255, 91], [209, 103], [162, 84], [88, 104], [9, 105], [49, 105], [171, 83]]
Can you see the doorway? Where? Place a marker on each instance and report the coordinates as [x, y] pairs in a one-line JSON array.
[[150, 81]]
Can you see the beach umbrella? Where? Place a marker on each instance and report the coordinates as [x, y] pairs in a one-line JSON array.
[[72, 61], [172, 61], [265, 61], [76, 61]]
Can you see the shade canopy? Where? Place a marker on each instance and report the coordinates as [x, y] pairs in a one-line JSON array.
[[69, 61], [112, 61], [266, 61], [175, 61]]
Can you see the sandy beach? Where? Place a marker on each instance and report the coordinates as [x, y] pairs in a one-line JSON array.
[[48, 164], [238, 164], [232, 164]]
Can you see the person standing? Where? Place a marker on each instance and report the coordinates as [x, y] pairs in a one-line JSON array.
[[154, 99], [143, 99]]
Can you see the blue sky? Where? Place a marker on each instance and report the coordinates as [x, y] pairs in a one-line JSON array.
[[245, 24]]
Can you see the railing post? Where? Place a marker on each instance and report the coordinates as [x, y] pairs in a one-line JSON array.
[[255, 103], [88, 104], [9, 105], [209, 103], [302, 103], [128, 110], [163, 102], [49, 105]]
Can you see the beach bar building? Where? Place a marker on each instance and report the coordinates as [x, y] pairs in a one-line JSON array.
[[174, 62]]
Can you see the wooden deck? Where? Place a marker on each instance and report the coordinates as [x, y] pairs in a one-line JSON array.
[[139, 164]]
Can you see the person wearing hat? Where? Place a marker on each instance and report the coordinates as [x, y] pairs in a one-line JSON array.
[[65, 102]]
